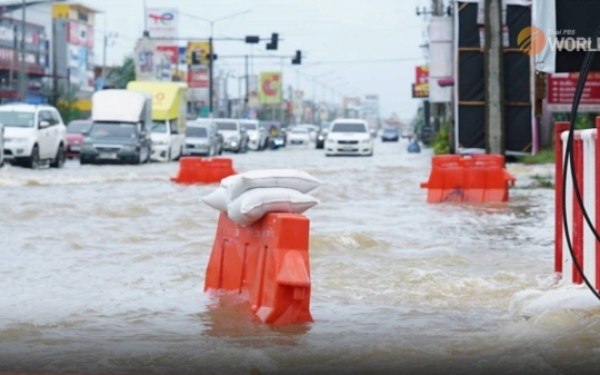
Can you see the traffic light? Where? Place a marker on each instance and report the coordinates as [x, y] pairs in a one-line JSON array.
[[297, 60], [252, 39], [272, 45]]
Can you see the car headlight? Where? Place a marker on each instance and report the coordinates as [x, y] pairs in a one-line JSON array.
[[128, 148], [17, 140], [88, 147], [253, 137], [365, 141], [160, 143]]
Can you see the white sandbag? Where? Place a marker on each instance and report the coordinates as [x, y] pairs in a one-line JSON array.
[[218, 199], [252, 205], [269, 178]]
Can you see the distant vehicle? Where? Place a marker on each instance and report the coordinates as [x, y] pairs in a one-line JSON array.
[[33, 134], [202, 138], [277, 134], [120, 132], [235, 138], [413, 147], [349, 137], [390, 134], [169, 112], [321, 137], [1, 145], [75, 136], [298, 136], [407, 133], [257, 135], [312, 130]]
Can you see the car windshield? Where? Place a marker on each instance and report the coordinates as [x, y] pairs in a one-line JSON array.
[[196, 132], [390, 130], [113, 130], [299, 131], [17, 119], [159, 127], [78, 127], [349, 128], [249, 126], [226, 125]]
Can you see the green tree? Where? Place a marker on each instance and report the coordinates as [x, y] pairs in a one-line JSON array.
[[119, 77]]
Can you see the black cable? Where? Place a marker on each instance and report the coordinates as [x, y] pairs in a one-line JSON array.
[[569, 160]]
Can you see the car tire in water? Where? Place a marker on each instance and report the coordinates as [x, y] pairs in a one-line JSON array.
[[59, 159], [33, 161]]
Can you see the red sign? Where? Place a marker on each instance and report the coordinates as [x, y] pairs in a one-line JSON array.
[[420, 88], [561, 88], [81, 34], [198, 78], [171, 51]]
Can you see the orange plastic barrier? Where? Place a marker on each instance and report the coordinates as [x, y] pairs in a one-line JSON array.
[[477, 179], [195, 170], [268, 262]]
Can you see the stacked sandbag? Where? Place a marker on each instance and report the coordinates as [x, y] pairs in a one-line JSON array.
[[247, 197]]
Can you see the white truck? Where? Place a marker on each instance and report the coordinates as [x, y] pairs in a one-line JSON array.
[[120, 131]]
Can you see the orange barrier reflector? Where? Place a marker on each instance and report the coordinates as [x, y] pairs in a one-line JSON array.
[[268, 262], [476, 179], [195, 170]]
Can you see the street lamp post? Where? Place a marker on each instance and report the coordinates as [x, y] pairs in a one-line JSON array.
[[211, 52]]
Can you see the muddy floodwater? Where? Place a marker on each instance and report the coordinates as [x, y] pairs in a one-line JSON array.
[[102, 271]]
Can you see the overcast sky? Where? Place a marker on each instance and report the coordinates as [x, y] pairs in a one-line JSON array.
[[357, 46]]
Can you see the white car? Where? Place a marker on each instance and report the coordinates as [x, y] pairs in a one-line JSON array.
[[34, 134], [312, 130], [257, 135], [234, 137], [298, 136], [349, 137], [1, 145], [167, 143]]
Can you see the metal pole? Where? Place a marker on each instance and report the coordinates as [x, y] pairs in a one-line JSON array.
[[494, 76], [22, 85], [145, 17], [246, 99], [210, 74]]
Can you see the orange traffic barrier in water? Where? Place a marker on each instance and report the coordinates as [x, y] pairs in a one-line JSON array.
[[476, 179], [268, 262], [195, 170]]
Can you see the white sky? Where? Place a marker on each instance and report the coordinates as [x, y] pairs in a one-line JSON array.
[[337, 39]]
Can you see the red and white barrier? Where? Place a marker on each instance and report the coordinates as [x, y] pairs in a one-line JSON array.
[[586, 157]]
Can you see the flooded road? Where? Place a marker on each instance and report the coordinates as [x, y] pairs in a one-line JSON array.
[[103, 269]]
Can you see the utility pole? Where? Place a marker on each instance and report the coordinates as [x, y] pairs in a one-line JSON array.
[[246, 99], [210, 74], [494, 77], [22, 78]]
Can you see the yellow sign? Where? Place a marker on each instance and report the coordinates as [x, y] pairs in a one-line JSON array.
[[269, 90], [197, 53]]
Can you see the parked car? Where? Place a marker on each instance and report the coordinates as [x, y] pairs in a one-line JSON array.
[[390, 135], [34, 134], [257, 135], [235, 138], [349, 137], [321, 137], [202, 138], [120, 130], [298, 136], [75, 136], [1, 145]]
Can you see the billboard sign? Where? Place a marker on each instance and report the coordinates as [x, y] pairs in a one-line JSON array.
[[197, 53], [270, 88], [162, 22], [421, 85], [80, 34]]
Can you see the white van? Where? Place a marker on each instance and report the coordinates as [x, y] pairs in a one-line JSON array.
[[33, 134]]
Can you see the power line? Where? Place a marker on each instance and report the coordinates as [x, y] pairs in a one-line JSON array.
[[368, 61]]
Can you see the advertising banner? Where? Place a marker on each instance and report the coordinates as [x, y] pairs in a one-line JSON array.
[[421, 85], [162, 22], [440, 58], [197, 53], [561, 90], [171, 51], [270, 88], [81, 34]]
